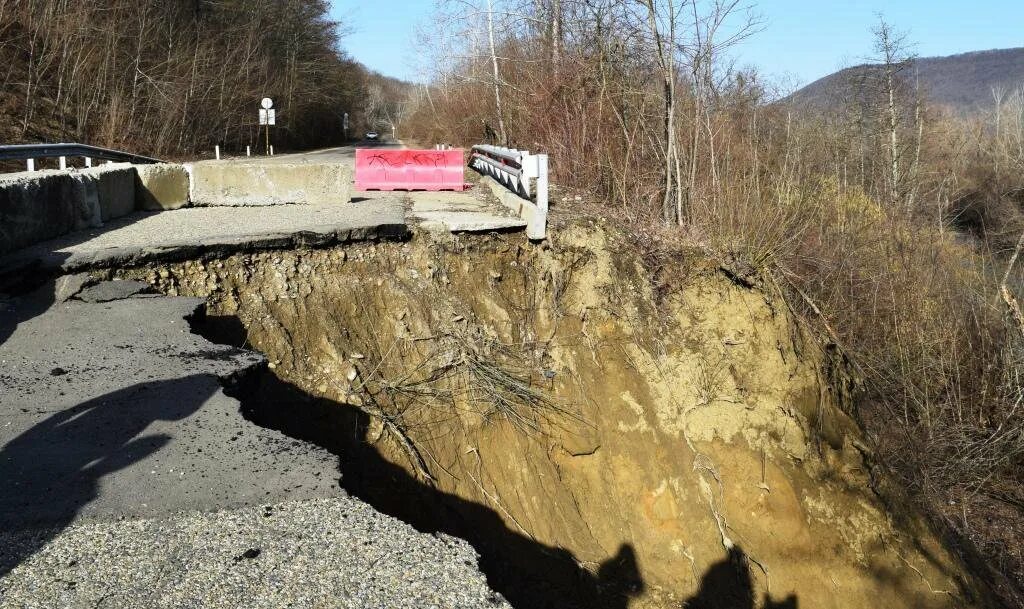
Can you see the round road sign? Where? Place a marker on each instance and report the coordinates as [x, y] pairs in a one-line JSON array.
[[267, 103]]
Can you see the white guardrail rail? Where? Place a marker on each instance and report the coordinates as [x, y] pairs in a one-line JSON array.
[[524, 175]]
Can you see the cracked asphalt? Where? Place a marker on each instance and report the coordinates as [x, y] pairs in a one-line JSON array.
[[131, 479]]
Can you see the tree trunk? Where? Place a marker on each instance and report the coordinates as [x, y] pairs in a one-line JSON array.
[[668, 206], [497, 77]]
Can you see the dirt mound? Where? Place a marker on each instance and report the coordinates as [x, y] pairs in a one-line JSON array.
[[599, 445]]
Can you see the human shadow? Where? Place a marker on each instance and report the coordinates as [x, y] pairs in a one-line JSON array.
[[729, 584], [53, 469], [529, 574]]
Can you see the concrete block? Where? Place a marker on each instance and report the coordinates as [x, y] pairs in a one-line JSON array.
[[227, 183], [161, 186], [113, 186], [40, 205]]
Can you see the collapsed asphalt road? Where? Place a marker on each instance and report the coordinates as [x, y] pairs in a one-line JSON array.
[[131, 478]]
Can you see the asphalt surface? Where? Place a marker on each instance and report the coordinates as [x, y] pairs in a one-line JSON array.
[[187, 232], [325, 155], [327, 553], [116, 409], [131, 479]]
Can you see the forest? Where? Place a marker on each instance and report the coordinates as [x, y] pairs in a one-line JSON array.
[[172, 79], [892, 224]]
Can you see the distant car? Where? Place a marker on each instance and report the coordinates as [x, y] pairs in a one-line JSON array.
[[372, 135]]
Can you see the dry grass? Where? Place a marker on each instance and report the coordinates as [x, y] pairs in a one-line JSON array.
[[415, 385], [908, 288], [918, 310]]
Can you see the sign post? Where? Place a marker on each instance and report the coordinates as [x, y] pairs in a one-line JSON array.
[[268, 117]]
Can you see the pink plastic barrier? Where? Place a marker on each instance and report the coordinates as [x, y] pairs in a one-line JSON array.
[[382, 169]]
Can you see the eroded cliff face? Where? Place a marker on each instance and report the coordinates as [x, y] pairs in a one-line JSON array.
[[600, 445]]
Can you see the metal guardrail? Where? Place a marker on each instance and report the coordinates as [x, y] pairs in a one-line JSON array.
[[524, 174], [30, 152], [515, 169]]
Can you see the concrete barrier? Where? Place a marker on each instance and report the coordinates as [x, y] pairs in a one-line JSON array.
[[40, 205], [112, 186], [161, 187], [216, 183]]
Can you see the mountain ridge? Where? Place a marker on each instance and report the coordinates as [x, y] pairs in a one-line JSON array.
[[962, 82]]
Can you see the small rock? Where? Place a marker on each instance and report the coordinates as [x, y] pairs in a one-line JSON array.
[[70, 285], [249, 554]]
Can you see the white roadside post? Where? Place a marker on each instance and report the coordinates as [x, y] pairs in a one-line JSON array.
[[248, 151], [63, 163], [31, 164], [216, 152], [88, 161]]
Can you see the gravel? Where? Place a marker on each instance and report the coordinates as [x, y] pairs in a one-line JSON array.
[[336, 552]]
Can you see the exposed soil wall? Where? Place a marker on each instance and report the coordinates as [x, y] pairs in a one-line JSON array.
[[600, 445]]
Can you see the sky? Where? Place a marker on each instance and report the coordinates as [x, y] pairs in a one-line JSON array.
[[802, 40]]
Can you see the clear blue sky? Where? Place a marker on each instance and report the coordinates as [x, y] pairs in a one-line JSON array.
[[803, 40]]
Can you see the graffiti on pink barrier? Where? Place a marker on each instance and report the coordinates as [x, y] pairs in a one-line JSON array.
[[409, 169]]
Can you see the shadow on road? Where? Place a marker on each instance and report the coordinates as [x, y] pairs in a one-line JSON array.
[[53, 470], [529, 574]]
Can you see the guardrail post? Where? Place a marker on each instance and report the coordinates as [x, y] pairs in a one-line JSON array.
[[538, 228], [542, 182]]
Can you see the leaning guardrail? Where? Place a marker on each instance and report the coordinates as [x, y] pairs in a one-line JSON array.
[[524, 175], [31, 152]]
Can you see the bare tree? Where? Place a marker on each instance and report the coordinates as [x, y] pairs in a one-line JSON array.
[[662, 25], [892, 53]]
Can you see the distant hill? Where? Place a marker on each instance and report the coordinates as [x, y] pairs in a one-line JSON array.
[[962, 82]]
